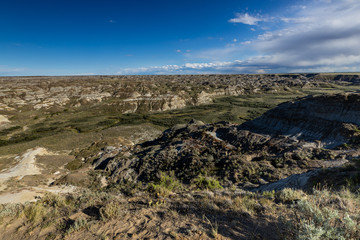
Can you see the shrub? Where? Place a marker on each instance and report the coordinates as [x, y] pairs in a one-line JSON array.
[[164, 186], [288, 195], [246, 204], [268, 194], [35, 212], [10, 210], [209, 183], [111, 210], [77, 225], [74, 165], [128, 188], [313, 222], [87, 198], [321, 217], [158, 190], [53, 200]]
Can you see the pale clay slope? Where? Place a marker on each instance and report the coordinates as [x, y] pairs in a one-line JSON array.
[[27, 166], [4, 121]]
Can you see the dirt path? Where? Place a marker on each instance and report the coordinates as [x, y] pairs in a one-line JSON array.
[[26, 165]]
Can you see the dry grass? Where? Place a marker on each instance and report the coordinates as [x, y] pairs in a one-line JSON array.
[[219, 214]]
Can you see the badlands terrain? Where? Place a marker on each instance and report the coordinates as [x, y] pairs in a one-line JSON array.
[[180, 157]]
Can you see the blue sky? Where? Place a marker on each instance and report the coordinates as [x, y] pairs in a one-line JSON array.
[[53, 37]]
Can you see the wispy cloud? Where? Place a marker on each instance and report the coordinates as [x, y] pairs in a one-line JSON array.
[[236, 66], [83, 74], [323, 35], [247, 19], [10, 71]]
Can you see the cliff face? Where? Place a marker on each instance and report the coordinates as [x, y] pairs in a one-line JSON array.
[[286, 140], [145, 93], [328, 119]]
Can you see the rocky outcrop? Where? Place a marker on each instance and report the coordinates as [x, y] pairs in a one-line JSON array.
[[296, 181], [299, 181], [285, 141]]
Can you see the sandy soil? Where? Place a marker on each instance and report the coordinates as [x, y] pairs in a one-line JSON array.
[[30, 195]]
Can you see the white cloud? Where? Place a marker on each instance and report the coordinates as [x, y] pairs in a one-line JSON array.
[[260, 71], [322, 36], [327, 35], [187, 68], [246, 19], [236, 66]]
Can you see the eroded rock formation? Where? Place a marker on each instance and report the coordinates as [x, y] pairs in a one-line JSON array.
[[147, 93], [285, 141]]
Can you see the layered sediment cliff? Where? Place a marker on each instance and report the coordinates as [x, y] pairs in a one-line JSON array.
[[331, 120]]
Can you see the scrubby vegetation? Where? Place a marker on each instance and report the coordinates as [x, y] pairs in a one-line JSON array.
[[288, 214], [199, 179], [325, 215]]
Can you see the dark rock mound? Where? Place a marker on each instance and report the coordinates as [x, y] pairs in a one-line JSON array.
[[284, 141]]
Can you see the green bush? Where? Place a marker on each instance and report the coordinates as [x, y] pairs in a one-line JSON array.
[[288, 195], [78, 224], [209, 183], [74, 165], [268, 194], [164, 186]]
